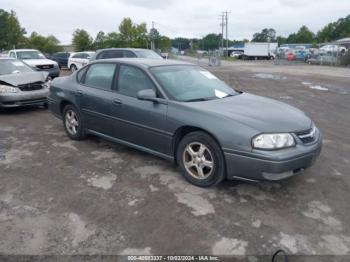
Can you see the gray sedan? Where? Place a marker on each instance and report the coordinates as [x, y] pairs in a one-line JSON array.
[[183, 113], [20, 85]]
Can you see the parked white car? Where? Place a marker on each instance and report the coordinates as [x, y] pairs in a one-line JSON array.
[[36, 60], [78, 60], [333, 49]]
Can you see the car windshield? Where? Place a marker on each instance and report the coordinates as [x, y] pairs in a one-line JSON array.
[[29, 55], [191, 83], [13, 67], [147, 54]]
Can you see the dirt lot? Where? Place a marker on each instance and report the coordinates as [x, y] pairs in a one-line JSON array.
[[58, 196]]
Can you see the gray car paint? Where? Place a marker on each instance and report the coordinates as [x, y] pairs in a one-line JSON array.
[[23, 98], [153, 127], [24, 78]]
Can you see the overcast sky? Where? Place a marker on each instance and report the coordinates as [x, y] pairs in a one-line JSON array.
[[194, 18]]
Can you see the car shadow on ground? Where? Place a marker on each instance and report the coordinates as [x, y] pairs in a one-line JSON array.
[[20, 110]]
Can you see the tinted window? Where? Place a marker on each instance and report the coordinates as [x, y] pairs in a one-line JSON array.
[[77, 56], [147, 54], [12, 54], [132, 80], [128, 53], [110, 54], [100, 76], [80, 74]]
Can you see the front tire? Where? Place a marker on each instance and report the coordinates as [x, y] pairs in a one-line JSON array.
[[201, 160], [72, 123]]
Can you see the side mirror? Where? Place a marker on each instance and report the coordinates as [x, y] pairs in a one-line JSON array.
[[88, 57], [147, 95]]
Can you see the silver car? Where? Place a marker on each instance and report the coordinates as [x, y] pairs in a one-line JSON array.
[[20, 85]]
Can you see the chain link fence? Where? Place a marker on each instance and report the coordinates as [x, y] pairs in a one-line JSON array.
[[330, 55], [214, 58]]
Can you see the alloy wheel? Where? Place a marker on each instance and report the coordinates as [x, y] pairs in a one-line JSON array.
[[198, 160], [72, 122]]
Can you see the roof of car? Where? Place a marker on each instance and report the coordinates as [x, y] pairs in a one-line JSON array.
[[145, 62], [121, 48], [16, 50]]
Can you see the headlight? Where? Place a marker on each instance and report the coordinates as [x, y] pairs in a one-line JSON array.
[[273, 141], [55, 65], [8, 89]]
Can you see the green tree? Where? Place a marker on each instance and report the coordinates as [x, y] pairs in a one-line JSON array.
[[141, 37], [114, 40], [335, 30], [82, 41], [11, 32], [304, 35], [163, 43], [48, 44], [100, 41], [211, 41], [266, 35], [181, 43], [133, 35]]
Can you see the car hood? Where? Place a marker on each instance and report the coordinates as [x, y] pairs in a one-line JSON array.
[[35, 62], [25, 78], [260, 113]]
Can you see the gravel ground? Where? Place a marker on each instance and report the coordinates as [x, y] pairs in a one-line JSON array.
[[59, 196]]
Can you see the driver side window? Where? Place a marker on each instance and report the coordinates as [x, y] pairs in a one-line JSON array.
[[132, 80]]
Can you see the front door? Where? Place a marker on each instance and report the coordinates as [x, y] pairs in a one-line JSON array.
[[140, 122]]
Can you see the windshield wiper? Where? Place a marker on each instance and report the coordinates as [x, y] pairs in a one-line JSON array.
[[196, 100]]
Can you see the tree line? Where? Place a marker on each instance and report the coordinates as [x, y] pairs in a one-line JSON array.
[[332, 31], [130, 34]]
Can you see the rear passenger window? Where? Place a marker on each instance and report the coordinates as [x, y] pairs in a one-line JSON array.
[[100, 76], [110, 54], [76, 56], [132, 80], [129, 54]]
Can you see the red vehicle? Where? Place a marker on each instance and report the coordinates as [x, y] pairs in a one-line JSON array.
[[291, 56]]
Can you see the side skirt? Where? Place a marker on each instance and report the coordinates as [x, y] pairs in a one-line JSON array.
[[125, 143]]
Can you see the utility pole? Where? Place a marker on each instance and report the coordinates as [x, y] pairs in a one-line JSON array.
[[226, 18], [152, 40], [221, 45]]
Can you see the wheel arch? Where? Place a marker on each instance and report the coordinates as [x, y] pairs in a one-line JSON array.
[[183, 131], [64, 103]]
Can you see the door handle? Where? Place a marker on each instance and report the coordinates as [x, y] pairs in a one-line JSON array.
[[78, 93], [117, 102]]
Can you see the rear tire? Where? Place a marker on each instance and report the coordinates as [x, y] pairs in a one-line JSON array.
[[73, 68], [72, 123], [201, 160]]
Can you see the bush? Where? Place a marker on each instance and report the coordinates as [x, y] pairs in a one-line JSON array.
[[345, 59]]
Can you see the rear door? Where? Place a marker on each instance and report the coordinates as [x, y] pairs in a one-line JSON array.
[[95, 97]]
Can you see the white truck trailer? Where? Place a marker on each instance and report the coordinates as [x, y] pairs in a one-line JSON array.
[[260, 51]]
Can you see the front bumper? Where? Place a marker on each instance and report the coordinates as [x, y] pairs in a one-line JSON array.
[[272, 165], [24, 98]]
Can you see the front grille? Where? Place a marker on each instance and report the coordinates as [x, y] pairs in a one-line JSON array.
[[31, 86], [307, 136], [44, 67]]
